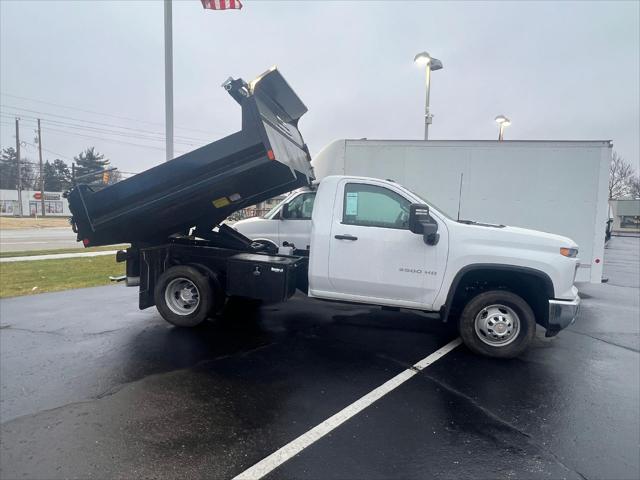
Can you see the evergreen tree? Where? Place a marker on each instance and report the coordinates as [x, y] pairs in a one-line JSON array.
[[88, 162], [9, 170], [57, 176]]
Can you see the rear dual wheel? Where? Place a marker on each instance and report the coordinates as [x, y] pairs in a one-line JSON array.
[[184, 296]]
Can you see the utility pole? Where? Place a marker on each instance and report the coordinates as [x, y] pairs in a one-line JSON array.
[[41, 169], [18, 165], [168, 79]]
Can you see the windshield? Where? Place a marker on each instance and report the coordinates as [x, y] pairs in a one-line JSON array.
[[431, 204], [272, 212]]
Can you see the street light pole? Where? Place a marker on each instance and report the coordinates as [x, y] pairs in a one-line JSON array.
[[168, 79], [430, 64], [427, 115], [502, 122]]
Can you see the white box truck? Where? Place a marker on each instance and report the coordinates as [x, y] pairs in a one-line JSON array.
[[558, 187]]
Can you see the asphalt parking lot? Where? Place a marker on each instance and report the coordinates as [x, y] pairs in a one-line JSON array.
[[91, 387]]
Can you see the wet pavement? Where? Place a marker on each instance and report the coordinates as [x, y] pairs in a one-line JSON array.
[[91, 387]]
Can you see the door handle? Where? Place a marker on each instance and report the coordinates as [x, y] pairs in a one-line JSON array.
[[346, 237]]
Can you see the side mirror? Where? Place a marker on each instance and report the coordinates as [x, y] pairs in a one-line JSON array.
[[418, 216], [284, 212], [420, 222]]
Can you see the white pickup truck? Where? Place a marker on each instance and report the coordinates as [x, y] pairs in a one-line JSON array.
[[288, 222], [373, 241]]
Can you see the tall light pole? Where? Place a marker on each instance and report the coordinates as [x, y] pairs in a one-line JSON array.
[[502, 121], [168, 79], [430, 64]]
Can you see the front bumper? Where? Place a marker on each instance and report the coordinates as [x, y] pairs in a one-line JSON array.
[[562, 313]]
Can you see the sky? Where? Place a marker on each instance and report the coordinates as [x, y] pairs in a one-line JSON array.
[[93, 71]]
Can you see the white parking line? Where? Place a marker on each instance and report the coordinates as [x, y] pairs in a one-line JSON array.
[[291, 449]]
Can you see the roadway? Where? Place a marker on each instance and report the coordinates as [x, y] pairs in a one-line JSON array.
[[15, 240]]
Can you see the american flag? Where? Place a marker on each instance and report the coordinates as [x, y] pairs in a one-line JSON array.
[[222, 4]]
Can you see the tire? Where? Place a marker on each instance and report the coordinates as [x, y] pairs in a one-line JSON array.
[[219, 297], [497, 324], [184, 296]]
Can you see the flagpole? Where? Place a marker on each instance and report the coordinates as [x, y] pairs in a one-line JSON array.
[[168, 79]]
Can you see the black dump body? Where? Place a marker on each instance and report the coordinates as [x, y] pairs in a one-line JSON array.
[[266, 158]]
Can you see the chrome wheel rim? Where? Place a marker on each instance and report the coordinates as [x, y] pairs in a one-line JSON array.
[[182, 296], [497, 325]]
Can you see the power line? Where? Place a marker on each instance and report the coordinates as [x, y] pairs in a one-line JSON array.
[[40, 113], [59, 155], [109, 140], [22, 161], [122, 142], [120, 117], [144, 135], [96, 129]]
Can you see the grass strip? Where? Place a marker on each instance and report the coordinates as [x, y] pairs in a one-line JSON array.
[[18, 223], [31, 253], [28, 278]]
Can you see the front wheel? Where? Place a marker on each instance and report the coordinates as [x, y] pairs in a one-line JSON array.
[[183, 296], [498, 324]]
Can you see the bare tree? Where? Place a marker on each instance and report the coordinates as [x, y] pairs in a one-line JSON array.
[[620, 173], [114, 177], [634, 186]]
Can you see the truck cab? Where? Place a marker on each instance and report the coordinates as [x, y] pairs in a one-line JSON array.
[[363, 249], [374, 241]]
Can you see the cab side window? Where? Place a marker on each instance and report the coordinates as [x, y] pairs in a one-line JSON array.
[[374, 206], [301, 207]]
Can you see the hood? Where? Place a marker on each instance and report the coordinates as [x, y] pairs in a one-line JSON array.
[[501, 234], [247, 221], [544, 237]]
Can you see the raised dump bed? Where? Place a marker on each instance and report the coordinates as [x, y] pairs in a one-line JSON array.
[[266, 158]]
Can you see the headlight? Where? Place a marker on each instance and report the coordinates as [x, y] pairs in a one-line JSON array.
[[569, 252]]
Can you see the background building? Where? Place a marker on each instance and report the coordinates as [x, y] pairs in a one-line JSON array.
[[626, 215], [54, 204]]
